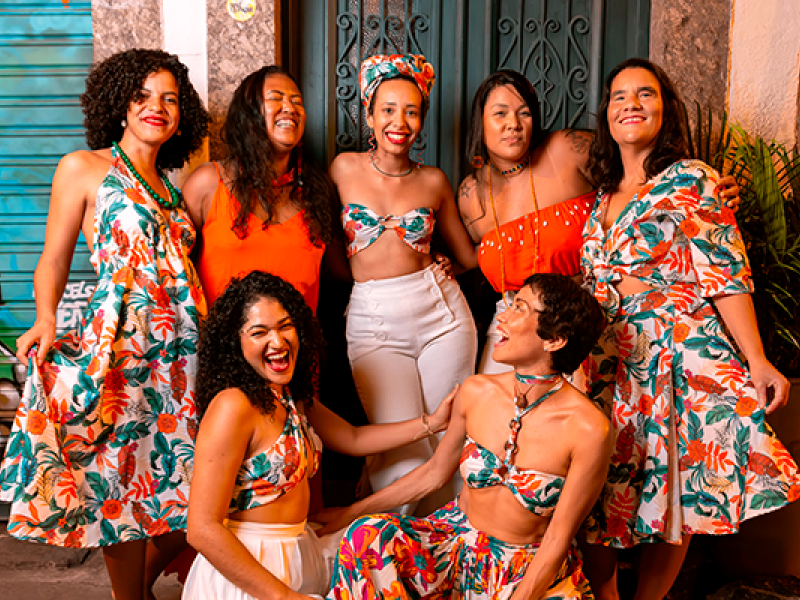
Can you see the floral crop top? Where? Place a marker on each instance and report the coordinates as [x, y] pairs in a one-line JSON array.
[[537, 492], [270, 474], [363, 226]]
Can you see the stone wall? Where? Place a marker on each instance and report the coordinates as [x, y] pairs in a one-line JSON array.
[[123, 24], [690, 40]]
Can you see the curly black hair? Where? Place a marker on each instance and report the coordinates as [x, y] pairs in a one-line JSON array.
[[222, 365], [671, 145], [250, 156], [475, 144], [570, 312], [115, 82]]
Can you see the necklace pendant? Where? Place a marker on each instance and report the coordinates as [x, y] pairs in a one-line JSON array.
[[520, 400]]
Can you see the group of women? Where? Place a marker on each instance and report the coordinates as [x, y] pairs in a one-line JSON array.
[[670, 442]]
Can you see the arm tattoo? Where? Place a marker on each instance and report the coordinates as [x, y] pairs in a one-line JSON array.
[[581, 140]]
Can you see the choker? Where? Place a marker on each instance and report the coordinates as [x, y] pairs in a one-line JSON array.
[[520, 410], [382, 172], [512, 170], [288, 177], [175, 195], [520, 398]]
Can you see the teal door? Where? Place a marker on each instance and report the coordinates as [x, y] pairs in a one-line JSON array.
[[45, 54], [565, 47]]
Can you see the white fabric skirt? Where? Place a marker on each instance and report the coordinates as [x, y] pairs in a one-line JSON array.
[[292, 553]]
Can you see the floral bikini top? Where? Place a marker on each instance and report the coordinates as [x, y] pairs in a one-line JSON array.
[[537, 492], [270, 474], [363, 226]]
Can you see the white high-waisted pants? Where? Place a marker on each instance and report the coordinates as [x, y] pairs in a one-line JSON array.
[[410, 340], [292, 553]]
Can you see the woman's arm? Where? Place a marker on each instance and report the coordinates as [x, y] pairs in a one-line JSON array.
[[198, 193], [739, 315], [339, 435], [453, 231], [72, 182], [413, 486], [587, 473], [225, 433]]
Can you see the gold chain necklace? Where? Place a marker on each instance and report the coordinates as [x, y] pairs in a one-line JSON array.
[[499, 239]]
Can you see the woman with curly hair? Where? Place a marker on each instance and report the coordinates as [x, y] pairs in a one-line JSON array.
[[692, 451], [260, 350], [102, 447], [266, 201]]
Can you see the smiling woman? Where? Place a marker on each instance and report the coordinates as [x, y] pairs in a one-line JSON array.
[[107, 415], [258, 446], [410, 334], [266, 200]]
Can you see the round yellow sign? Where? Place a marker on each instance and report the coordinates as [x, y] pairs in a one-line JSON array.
[[241, 10]]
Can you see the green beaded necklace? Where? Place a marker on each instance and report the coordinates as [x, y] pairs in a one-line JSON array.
[[174, 194]]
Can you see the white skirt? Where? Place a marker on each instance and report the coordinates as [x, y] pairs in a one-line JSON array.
[[292, 553]]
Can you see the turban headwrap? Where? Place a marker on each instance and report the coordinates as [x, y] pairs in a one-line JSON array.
[[380, 67]]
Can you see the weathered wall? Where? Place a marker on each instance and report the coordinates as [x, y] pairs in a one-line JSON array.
[[690, 40], [236, 49], [122, 24], [765, 67]]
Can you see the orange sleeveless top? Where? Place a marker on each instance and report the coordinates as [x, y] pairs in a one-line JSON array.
[[560, 241], [283, 249]]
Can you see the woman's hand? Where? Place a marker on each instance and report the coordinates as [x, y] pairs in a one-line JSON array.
[[443, 263], [333, 519], [729, 192], [772, 388], [439, 420], [42, 334]]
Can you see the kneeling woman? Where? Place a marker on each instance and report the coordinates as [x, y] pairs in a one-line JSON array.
[[533, 453], [255, 450]]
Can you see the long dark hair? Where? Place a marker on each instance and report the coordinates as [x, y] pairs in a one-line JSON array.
[[476, 147], [251, 157], [671, 145], [221, 364], [115, 82]]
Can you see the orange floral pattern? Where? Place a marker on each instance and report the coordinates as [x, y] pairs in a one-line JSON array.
[[105, 456], [440, 556], [665, 365]]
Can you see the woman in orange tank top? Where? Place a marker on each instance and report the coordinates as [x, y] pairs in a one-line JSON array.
[[529, 193], [265, 206]]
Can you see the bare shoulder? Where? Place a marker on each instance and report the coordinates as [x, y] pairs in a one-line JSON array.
[[478, 388], [435, 178], [81, 163], [231, 404], [570, 142], [201, 181], [345, 163], [587, 421], [467, 197]]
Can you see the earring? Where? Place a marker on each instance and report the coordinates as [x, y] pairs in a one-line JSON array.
[[477, 162], [299, 153], [124, 123], [372, 143], [419, 159], [178, 132]]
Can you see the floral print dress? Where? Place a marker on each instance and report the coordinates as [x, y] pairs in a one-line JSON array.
[[693, 453], [102, 446]]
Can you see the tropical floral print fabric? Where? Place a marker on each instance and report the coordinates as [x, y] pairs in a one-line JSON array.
[[693, 453], [268, 475], [103, 442], [440, 556], [379, 67], [363, 227]]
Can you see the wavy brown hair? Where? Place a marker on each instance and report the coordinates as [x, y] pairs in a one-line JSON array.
[[222, 365], [250, 158], [672, 142], [115, 82]]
